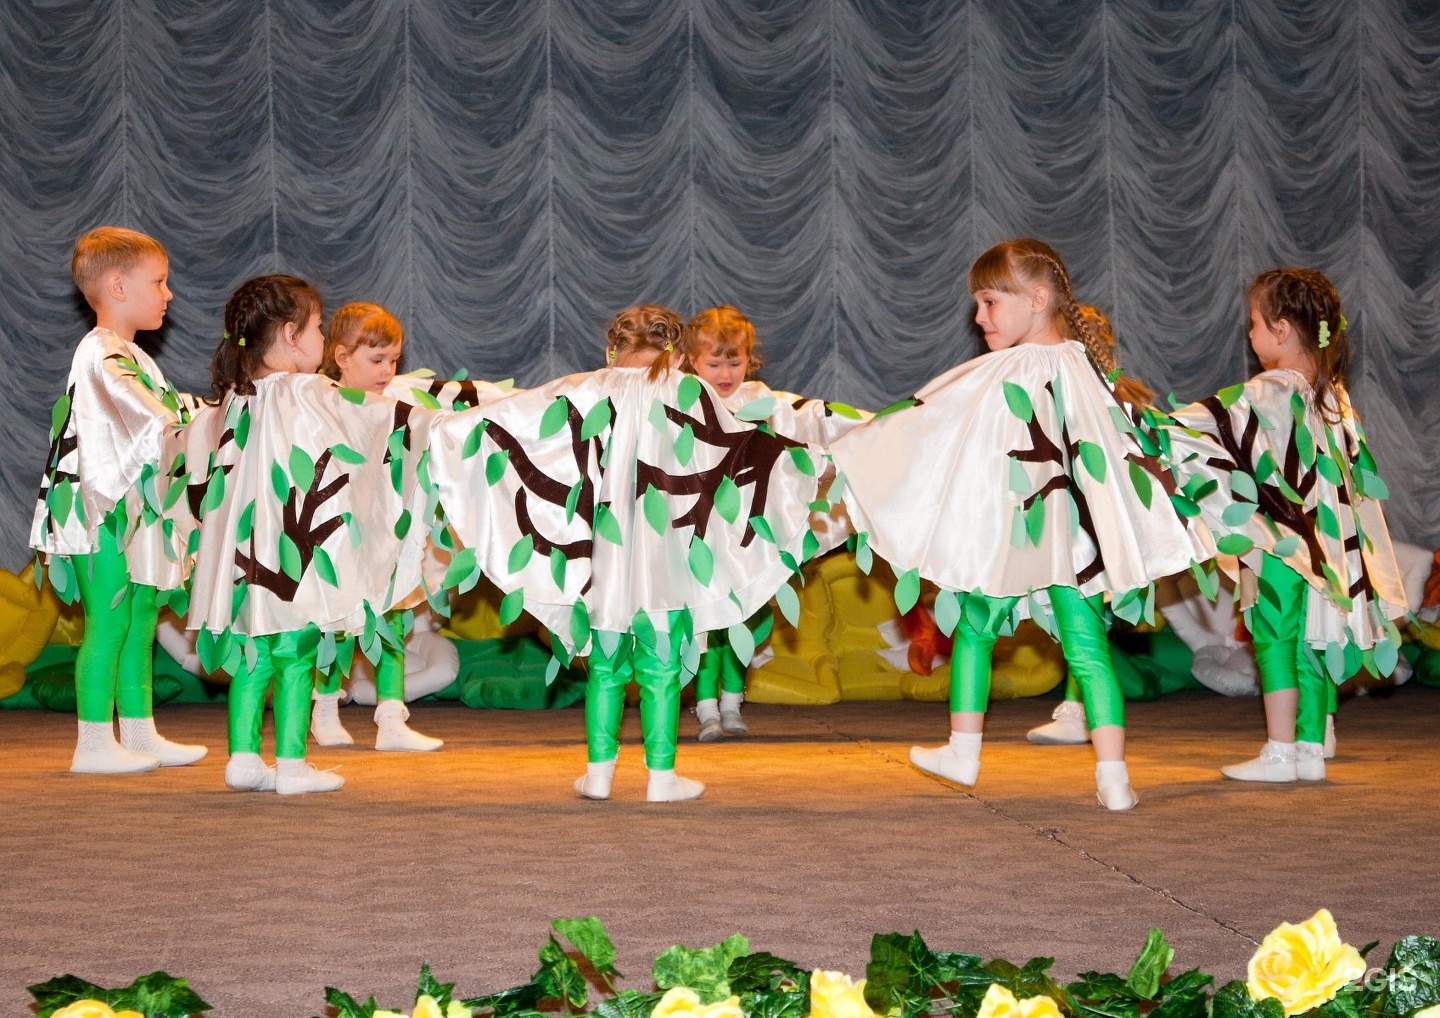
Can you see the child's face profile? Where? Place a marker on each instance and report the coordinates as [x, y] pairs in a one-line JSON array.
[[146, 289], [1267, 342], [308, 345], [1006, 319], [367, 367], [724, 372]]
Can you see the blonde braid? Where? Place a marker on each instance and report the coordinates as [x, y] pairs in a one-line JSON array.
[[1102, 355]]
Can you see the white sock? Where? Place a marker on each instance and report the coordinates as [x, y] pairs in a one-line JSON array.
[[290, 767], [1111, 772], [966, 745], [707, 710], [731, 701]]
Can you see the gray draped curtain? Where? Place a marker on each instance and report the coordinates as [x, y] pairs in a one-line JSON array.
[[505, 175]]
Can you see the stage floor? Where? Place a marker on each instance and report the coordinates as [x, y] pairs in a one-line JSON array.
[[814, 833]]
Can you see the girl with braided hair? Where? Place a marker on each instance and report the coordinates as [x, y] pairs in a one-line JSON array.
[[1281, 473], [1046, 500]]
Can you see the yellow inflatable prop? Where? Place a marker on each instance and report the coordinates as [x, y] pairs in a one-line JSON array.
[[27, 618], [847, 624]]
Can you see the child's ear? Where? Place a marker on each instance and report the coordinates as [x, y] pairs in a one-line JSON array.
[[115, 285], [1039, 298], [288, 332], [1283, 330], [342, 357]]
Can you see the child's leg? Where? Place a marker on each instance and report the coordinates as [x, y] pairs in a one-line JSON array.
[[732, 675], [713, 663], [1067, 721], [657, 670], [106, 596], [325, 723], [980, 620], [392, 733], [604, 708], [1080, 624], [245, 710], [293, 655], [135, 696], [1277, 628]]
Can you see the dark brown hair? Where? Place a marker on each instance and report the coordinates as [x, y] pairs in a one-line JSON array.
[[724, 330], [1305, 299], [1012, 265], [254, 315], [355, 325], [645, 327], [106, 249]]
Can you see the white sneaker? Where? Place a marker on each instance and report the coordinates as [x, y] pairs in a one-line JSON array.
[[733, 723], [1276, 763], [1112, 786], [140, 736], [1310, 761], [297, 777], [596, 781], [667, 786], [246, 772], [97, 752], [1329, 737], [395, 736], [710, 730], [325, 726], [1067, 728], [944, 763]]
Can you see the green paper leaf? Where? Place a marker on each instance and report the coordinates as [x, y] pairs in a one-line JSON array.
[[688, 392], [727, 500], [345, 454], [1018, 400], [279, 483], [1093, 458], [1237, 514], [1140, 478], [58, 413], [761, 526], [702, 561], [947, 611], [1242, 486], [325, 567], [402, 525], [596, 421], [1286, 546], [657, 509], [579, 624], [495, 466], [742, 642], [685, 444], [606, 525], [1234, 544], [520, 553], [1230, 395], [803, 462], [1019, 480], [356, 396], [462, 564], [289, 557], [756, 409], [572, 499], [907, 590], [845, 410], [558, 566], [896, 407], [555, 416], [1035, 521], [789, 604], [511, 605], [1326, 522]]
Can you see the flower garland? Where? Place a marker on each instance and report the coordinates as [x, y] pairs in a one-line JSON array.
[[1299, 969]]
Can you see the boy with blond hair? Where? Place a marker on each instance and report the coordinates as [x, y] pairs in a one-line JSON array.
[[99, 516]]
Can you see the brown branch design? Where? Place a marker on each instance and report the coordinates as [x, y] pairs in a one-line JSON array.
[[298, 522]]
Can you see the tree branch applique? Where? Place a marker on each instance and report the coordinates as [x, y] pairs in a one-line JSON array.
[[301, 536]]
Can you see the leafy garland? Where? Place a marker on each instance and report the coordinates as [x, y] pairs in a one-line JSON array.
[[1302, 969]]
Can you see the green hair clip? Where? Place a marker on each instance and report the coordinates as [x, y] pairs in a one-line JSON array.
[[239, 342], [1324, 337]]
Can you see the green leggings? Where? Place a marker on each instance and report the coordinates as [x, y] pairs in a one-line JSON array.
[[1080, 623], [1278, 629], [720, 669], [659, 681], [389, 674], [117, 652], [287, 660]]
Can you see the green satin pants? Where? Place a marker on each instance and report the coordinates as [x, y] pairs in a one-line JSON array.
[[116, 660]]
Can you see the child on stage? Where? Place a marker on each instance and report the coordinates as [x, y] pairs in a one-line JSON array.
[[626, 508], [1016, 483], [99, 515], [312, 522], [1279, 467], [363, 344], [719, 348]]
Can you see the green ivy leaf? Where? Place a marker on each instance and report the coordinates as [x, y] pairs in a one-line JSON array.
[[1018, 400], [1149, 967], [704, 971]]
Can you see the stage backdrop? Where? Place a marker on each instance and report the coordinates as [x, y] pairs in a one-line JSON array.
[[505, 175]]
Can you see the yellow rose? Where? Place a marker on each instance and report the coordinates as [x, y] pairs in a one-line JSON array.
[[683, 1002], [382, 1013], [85, 1009], [834, 995], [1429, 1012], [457, 1010], [1303, 966], [1001, 1003], [427, 1007]]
